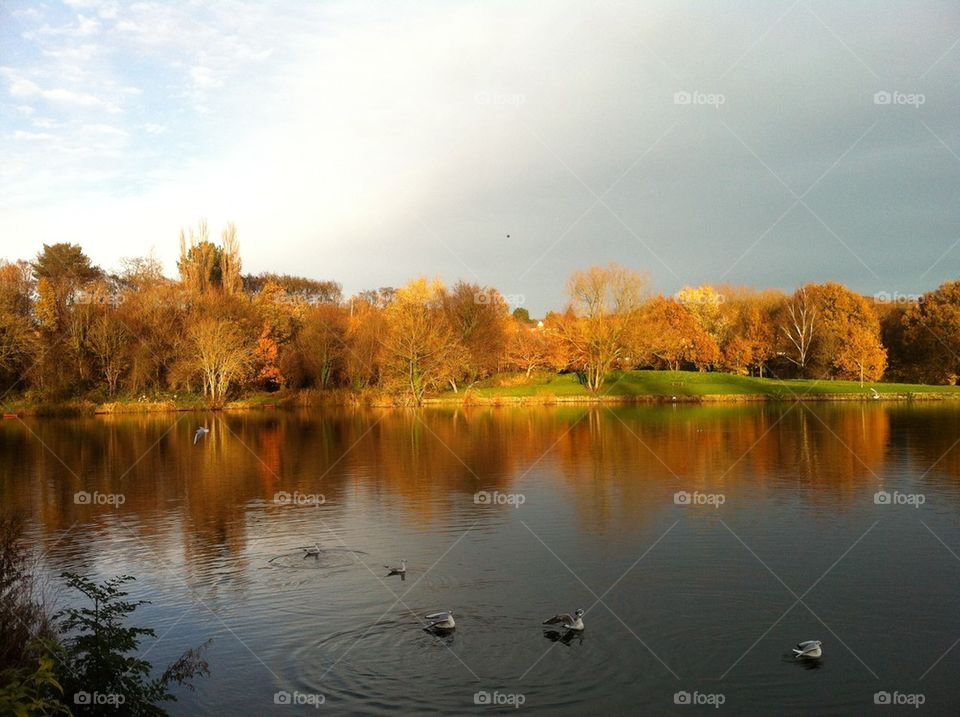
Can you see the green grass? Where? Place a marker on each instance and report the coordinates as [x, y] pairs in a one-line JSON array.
[[688, 383]]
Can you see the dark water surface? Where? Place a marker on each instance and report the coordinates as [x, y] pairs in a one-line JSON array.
[[782, 539]]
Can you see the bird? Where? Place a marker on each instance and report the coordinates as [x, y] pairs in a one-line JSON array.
[[875, 394], [568, 621], [807, 649], [201, 432], [441, 620], [401, 571], [315, 550]]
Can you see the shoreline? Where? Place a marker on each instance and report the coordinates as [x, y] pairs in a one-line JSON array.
[[466, 399]]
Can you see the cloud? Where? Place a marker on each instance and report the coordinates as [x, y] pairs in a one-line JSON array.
[[20, 86]]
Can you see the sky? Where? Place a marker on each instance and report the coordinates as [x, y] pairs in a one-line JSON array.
[[766, 143]]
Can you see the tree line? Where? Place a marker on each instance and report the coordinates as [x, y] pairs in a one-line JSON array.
[[69, 328]]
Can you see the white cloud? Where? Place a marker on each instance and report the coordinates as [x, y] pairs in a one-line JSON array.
[[22, 136]]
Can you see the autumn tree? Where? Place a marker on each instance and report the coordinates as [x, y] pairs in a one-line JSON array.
[[200, 262], [107, 340], [421, 350], [322, 345], [605, 302], [19, 342], [478, 316], [230, 278], [848, 334], [222, 354], [671, 336], [931, 330], [63, 269]]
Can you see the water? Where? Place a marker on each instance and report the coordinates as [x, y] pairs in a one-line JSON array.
[[781, 540]]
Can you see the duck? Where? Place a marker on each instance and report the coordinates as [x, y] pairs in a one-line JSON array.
[[808, 649], [441, 620], [567, 621], [315, 550]]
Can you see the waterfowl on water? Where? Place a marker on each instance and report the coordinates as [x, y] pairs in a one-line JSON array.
[[401, 571], [807, 649], [441, 620], [315, 550], [567, 621]]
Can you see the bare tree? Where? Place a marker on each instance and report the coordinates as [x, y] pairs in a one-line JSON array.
[[799, 326]]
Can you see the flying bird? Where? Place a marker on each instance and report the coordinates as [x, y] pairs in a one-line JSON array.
[[875, 394], [567, 621], [201, 432], [441, 620], [807, 649]]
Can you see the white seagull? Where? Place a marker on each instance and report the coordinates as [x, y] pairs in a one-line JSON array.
[[875, 394], [809, 648], [568, 621], [441, 620], [401, 571], [201, 432], [315, 550]]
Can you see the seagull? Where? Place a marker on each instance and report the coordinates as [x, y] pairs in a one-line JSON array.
[[441, 620], [809, 648], [201, 432], [876, 394], [315, 550], [569, 622], [401, 571]]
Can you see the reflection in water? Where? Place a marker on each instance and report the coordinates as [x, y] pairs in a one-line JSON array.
[[681, 592]]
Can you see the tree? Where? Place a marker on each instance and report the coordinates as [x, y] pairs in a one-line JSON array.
[[219, 350], [931, 329], [848, 334], [478, 316], [64, 269], [200, 263], [97, 652], [421, 349], [521, 314], [107, 340], [230, 260], [670, 336], [862, 354], [19, 343], [322, 344], [528, 347], [798, 325], [604, 302]]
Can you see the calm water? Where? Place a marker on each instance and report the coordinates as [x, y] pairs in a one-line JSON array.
[[701, 598]]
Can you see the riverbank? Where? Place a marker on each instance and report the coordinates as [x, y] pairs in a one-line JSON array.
[[626, 387]]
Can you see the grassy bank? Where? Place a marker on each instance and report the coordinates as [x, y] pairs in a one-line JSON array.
[[685, 385], [627, 386]]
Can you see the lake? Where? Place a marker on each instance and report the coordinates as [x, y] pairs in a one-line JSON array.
[[703, 542]]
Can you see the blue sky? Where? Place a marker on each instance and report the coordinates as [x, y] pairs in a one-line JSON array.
[[741, 142]]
